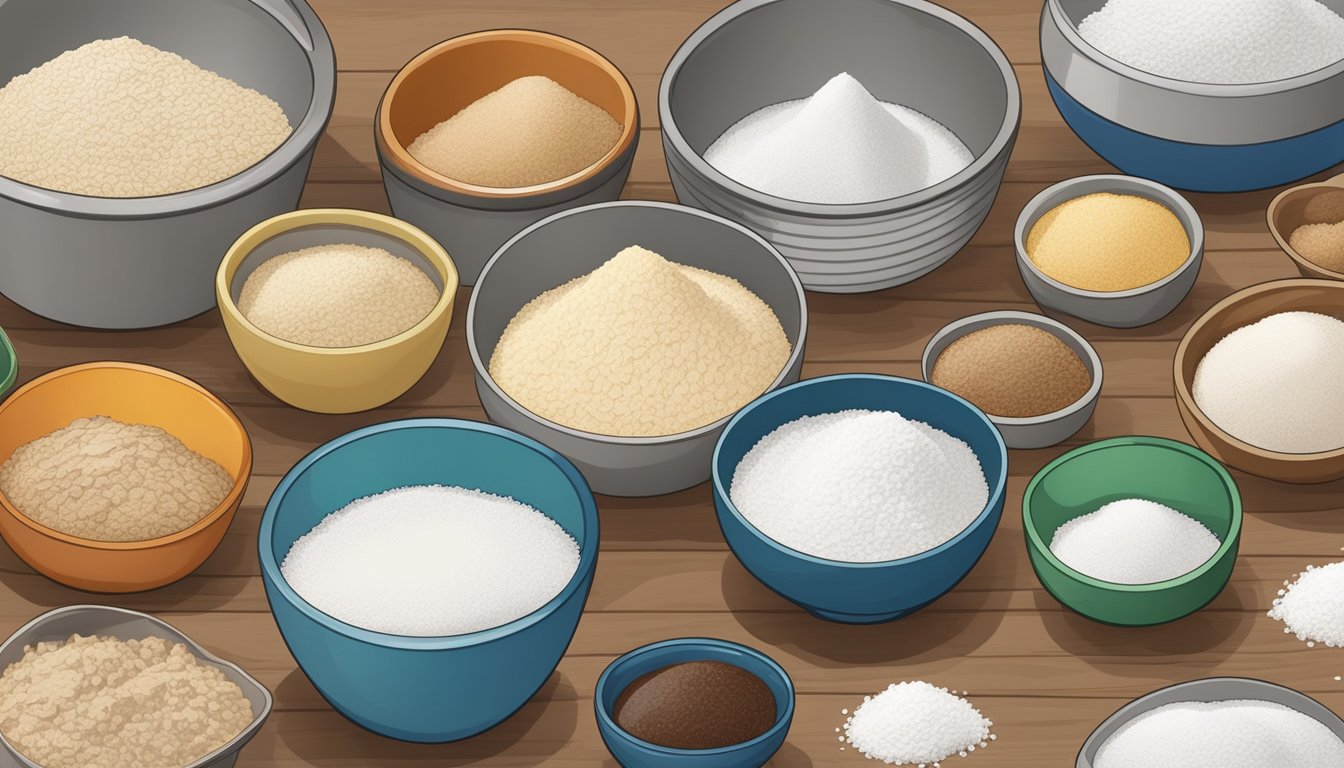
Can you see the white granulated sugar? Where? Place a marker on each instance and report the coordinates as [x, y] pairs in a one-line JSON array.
[[1134, 541], [118, 118], [859, 486], [1223, 734], [431, 560], [1276, 383], [1218, 41], [916, 724], [1312, 607], [839, 146]]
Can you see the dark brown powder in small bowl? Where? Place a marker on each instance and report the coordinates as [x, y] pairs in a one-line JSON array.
[[696, 705], [1012, 370]]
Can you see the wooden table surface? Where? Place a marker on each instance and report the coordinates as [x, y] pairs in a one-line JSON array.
[[1045, 676]]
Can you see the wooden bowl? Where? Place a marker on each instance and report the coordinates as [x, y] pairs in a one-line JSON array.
[[1236, 311], [1288, 211]]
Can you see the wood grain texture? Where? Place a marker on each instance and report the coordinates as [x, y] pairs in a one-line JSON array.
[[1043, 674]]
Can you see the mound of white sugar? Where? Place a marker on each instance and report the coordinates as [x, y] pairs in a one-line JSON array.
[[1134, 541], [1312, 607], [1218, 41], [1276, 383], [1223, 734], [859, 486], [431, 560], [841, 145], [916, 724]]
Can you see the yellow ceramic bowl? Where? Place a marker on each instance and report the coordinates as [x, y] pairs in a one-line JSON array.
[[339, 379]]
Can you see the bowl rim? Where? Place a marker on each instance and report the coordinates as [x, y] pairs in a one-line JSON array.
[[392, 149], [265, 231], [714, 650], [10, 359], [1117, 184], [997, 486], [959, 329], [1193, 87], [482, 368], [229, 502], [1185, 389], [1226, 544], [233, 745], [1303, 263], [275, 579], [992, 154]]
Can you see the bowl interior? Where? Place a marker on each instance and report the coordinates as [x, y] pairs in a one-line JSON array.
[[1289, 211]]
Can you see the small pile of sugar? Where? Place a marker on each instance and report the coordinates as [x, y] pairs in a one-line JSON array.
[[1222, 41], [100, 702], [102, 479], [118, 118], [1108, 242], [640, 346], [1134, 541], [1321, 244], [1312, 606], [859, 486], [916, 723], [1276, 383], [431, 561], [838, 146], [337, 296], [531, 131], [1223, 734], [1012, 370]]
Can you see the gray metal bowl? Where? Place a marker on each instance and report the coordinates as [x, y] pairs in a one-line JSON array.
[[1035, 431], [756, 53], [1117, 309], [574, 243], [122, 624], [1208, 690], [141, 262]]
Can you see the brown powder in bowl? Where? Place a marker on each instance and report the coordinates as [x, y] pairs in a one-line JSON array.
[[696, 705], [1012, 370], [1321, 244]]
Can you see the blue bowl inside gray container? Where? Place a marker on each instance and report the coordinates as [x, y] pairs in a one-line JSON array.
[[427, 689], [860, 593]]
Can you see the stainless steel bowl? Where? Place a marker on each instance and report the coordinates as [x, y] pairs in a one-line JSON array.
[[756, 53]]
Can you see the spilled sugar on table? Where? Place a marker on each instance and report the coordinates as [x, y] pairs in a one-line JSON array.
[[1045, 676]]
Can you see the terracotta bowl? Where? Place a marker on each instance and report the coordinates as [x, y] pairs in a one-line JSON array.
[[1288, 211]]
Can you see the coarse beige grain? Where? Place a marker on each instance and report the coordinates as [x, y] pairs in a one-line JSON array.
[[119, 118], [531, 131], [337, 296], [1321, 244], [1108, 242], [640, 346], [106, 480], [100, 702]]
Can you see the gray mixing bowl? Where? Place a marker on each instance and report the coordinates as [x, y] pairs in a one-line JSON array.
[[141, 262], [756, 53], [574, 243]]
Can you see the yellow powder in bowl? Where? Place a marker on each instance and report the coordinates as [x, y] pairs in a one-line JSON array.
[[641, 346], [337, 296], [1108, 242], [1012, 370], [106, 480], [531, 131]]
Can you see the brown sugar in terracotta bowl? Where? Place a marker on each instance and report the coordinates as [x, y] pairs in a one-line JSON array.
[[1306, 204]]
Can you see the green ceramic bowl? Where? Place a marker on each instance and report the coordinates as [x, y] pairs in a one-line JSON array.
[[1167, 472], [9, 364]]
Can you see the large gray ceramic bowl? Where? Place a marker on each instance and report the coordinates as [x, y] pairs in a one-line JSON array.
[[122, 624], [1117, 309], [756, 53], [140, 262], [1208, 690], [573, 243]]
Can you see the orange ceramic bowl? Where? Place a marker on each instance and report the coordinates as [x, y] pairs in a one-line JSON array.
[[136, 394]]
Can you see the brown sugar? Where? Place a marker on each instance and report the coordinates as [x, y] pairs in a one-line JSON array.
[[1012, 370], [1321, 244], [696, 705]]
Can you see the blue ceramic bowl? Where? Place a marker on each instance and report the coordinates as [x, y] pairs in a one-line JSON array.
[[860, 593], [631, 752], [427, 689]]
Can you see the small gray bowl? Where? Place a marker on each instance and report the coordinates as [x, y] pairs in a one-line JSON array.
[[122, 624], [1208, 690], [574, 243], [1117, 309], [1035, 431]]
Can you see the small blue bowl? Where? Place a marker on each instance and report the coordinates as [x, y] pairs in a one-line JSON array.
[[860, 593], [427, 689], [631, 752]]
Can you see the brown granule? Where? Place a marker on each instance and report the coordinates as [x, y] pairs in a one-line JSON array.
[[696, 705], [1321, 244], [1012, 370]]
